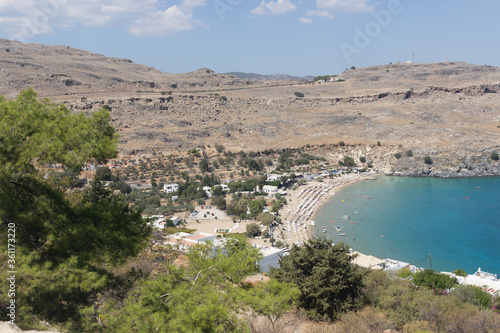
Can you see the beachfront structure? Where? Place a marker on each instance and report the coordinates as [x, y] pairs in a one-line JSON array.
[[170, 188], [395, 265], [487, 281], [368, 261]]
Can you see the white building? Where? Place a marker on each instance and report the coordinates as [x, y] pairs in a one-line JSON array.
[[208, 191], [270, 189], [170, 188], [224, 187], [176, 221], [271, 257], [271, 177], [487, 281]]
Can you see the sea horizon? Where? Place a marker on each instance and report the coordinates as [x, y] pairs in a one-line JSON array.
[[455, 221]]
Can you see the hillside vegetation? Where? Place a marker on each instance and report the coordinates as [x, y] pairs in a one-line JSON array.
[[84, 261]]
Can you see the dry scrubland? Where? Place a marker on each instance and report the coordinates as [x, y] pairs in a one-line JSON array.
[[449, 110]]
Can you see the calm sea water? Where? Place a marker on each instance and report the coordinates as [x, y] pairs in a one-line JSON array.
[[457, 221]]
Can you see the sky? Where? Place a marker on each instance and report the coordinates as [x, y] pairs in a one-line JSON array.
[[296, 37]]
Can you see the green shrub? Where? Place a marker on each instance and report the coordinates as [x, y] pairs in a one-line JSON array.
[[409, 153], [494, 156], [397, 155], [459, 272], [329, 284], [404, 273], [362, 159], [473, 295], [433, 280], [349, 161], [253, 229], [298, 94], [428, 160]]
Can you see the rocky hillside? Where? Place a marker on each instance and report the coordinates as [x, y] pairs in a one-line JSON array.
[[272, 77], [62, 70], [449, 111]]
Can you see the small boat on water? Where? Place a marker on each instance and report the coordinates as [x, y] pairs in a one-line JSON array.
[[342, 235], [338, 229], [356, 212], [352, 222], [324, 229], [345, 217]]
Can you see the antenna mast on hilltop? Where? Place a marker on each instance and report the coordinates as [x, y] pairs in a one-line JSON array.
[[413, 57]]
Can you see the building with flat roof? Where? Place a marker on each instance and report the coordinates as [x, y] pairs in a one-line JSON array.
[[270, 189], [487, 281], [170, 188]]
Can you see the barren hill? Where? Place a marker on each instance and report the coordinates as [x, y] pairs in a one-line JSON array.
[[449, 110], [62, 70]]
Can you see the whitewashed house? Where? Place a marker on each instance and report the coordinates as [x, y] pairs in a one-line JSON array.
[[271, 177], [270, 189], [170, 188]]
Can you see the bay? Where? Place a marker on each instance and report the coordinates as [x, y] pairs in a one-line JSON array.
[[456, 221]]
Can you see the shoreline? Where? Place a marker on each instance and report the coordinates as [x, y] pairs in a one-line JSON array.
[[304, 203], [395, 257]]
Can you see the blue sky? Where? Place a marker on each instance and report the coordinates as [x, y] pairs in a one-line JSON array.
[[298, 37]]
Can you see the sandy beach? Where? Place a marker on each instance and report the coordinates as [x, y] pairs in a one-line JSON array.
[[304, 202], [297, 215]]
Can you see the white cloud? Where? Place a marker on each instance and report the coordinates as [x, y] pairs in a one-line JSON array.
[[345, 5], [278, 7], [306, 20], [193, 3], [174, 19], [320, 13], [22, 19]]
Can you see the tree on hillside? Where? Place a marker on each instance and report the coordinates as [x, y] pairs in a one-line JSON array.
[[103, 173], [253, 229], [349, 161], [428, 160], [63, 242], [204, 165], [256, 206], [328, 281]]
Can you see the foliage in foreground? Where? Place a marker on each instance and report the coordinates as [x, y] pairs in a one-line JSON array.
[[63, 243], [204, 296], [328, 281], [419, 309]]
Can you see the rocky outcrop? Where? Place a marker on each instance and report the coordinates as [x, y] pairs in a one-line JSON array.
[[6, 327]]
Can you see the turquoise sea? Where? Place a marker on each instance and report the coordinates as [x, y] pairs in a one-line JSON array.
[[457, 221]]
